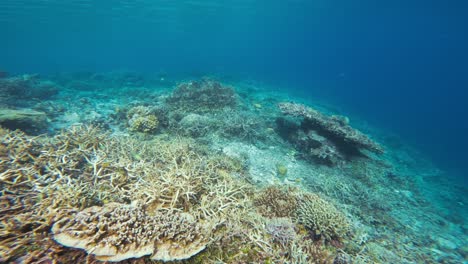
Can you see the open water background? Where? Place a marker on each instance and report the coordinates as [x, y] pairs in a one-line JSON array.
[[400, 65]]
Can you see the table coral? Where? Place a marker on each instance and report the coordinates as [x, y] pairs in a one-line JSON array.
[[336, 128], [328, 140], [115, 232], [25, 119]]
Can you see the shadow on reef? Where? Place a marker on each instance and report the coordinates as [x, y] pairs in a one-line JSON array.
[[324, 139]]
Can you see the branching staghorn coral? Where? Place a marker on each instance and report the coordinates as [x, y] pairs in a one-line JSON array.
[[84, 167], [43, 179]]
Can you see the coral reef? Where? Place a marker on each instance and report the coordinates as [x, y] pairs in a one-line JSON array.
[[89, 191], [281, 230], [15, 86], [306, 251], [195, 125], [141, 119], [26, 87], [84, 169], [26, 120], [326, 139], [318, 148], [244, 126], [201, 96], [276, 202], [116, 232], [119, 198], [322, 218], [334, 127]]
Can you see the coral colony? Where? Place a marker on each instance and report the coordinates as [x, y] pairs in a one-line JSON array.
[[100, 168]]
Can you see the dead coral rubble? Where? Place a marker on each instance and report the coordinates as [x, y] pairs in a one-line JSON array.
[[325, 138]]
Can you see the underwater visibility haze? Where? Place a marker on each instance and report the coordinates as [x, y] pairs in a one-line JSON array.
[[230, 131]]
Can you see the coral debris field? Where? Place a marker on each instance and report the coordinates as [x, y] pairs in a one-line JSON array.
[[121, 167]]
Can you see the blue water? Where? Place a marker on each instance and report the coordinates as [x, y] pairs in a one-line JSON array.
[[400, 65]]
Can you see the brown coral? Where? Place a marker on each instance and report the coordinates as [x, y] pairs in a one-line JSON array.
[[322, 218], [117, 232], [275, 202]]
